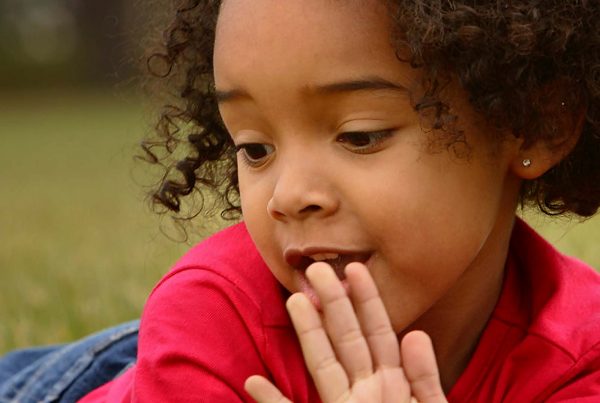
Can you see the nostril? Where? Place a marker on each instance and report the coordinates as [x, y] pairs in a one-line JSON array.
[[311, 209], [273, 211]]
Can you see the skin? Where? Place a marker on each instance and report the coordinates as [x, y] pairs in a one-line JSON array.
[[436, 227], [353, 354]]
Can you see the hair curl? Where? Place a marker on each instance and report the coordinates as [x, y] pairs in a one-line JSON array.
[[511, 57]]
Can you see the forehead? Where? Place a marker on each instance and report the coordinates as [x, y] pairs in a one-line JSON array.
[[312, 13], [273, 36]]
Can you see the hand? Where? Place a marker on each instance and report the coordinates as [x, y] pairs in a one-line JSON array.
[[351, 350]]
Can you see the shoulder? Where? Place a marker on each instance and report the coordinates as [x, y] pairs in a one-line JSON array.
[[542, 342], [205, 326], [559, 350], [223, 273], [228, 263], [563, 294]]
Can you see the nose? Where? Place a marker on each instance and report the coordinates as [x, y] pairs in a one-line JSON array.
[[302, 191]]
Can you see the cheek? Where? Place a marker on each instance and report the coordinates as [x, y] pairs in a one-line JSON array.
[[255, 191], [262, 230], [255, 194], [427, 218]]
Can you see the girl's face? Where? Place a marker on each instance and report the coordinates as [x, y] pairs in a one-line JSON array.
[[333, 161]]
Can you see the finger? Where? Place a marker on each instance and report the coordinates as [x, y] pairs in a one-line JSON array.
[[263, 391], [341, 322], [327, 373], [373, 318], [420, 367]]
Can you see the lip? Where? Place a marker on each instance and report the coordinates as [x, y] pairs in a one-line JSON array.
[[299, 259]]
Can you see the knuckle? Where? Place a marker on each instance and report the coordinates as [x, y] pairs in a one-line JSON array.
[[429, 385], [351, 336], [382, 330], [324, 364], [344, 398], [302, 333]]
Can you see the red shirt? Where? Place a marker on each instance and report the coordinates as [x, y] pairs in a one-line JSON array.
[[219, 317], [542, 342]]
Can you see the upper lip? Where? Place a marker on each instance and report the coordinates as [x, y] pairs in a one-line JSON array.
[[299, 257]]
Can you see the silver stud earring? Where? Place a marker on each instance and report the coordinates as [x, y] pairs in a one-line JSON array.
[[526, 162]]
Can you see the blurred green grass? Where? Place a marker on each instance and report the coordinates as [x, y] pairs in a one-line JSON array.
[[79, 250]]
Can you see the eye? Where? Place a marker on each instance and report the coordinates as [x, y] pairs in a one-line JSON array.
[[364, 142], [254, 154]]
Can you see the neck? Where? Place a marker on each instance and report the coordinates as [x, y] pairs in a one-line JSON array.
[[456, 343], [457, 321]]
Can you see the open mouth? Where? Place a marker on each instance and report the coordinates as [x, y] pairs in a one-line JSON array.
[[337, 260]]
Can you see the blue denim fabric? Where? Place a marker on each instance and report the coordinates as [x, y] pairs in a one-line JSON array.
[[65, 373]]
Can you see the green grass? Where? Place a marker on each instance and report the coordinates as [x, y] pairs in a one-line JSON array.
[[79, 250], [573, 237]]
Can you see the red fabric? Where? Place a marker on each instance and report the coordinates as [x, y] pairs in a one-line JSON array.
[[219, 317], [542, 342], [215, 319]]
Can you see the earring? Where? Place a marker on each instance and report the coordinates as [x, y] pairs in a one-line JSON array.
[[526, 162]]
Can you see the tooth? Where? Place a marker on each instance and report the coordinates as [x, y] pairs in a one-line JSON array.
[[324, 256]]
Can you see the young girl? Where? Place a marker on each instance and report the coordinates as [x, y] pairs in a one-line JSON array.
[[377, 151]]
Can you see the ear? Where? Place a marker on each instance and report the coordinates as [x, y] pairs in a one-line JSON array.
[[534, 160]]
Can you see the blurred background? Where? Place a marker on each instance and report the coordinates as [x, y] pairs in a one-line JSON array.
[[79, 249]]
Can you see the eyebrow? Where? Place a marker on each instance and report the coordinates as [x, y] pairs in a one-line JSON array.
[[363, 84]]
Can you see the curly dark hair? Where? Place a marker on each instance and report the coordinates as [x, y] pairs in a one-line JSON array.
[[509, 56]]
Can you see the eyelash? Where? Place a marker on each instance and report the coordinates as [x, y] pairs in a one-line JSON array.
[[246, 149], [375, 139]]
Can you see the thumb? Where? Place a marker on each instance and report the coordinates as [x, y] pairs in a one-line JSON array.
[[263, 391], [420, 368]]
